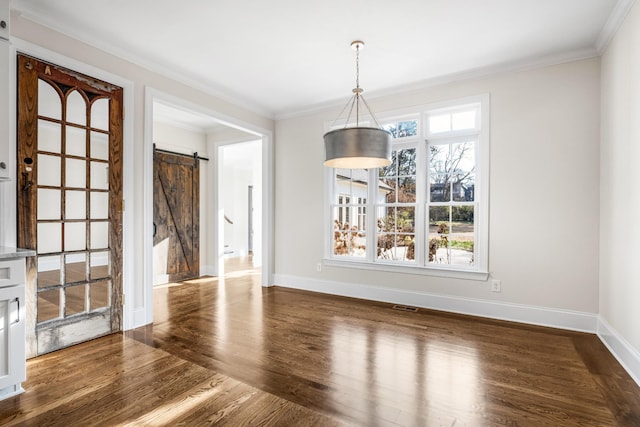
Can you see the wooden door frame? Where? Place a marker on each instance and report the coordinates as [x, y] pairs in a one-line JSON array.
[[217, 221]]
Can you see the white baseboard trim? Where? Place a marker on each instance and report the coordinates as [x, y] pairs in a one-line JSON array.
[[10, 391], [208, 270], [138, 318], [555, 318], [628, 357]]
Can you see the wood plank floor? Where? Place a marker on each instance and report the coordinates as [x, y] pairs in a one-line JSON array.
[[116, 380], [229, 352]]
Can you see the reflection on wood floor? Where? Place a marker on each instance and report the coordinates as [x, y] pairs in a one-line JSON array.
[[231, 352], [242, 263]]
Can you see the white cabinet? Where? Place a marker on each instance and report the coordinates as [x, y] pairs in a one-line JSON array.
[[12, 327]]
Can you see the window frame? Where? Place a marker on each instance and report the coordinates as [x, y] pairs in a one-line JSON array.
[[402, 143], [420, 265]]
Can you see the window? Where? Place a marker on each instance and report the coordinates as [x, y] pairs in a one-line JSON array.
[[396, 208], [427, 211], [349, 236]]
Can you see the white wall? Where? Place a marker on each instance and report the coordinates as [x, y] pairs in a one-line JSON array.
[[41, 40], [180, 139], [620, 184], [187, 141], [543, 191]]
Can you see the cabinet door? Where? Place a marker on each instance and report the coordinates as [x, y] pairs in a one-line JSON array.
[[12, 338], [4, 109]]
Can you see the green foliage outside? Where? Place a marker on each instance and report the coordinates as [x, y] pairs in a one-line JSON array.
[[462, 244]]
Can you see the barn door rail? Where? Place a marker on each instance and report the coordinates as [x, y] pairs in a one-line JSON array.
[[194, 155]]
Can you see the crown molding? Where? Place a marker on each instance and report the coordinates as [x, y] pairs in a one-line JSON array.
[[477, 73], [614, 22], [38, 17]]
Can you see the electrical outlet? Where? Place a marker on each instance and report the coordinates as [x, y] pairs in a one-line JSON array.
[[319, 267], [496, 286]]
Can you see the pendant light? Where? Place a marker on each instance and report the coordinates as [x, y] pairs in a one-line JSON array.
[[357, 147]]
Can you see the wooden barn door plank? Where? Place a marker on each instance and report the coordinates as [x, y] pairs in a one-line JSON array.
[[176, 217]]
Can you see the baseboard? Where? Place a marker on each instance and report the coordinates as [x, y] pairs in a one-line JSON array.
[[563, 319], [138, 318], [208, 270], [628, 357], [12, 390]]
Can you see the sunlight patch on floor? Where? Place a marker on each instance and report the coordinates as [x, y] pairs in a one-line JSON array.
[[177, 408]]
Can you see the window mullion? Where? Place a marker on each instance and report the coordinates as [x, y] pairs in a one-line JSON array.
[[421, 191], [372, 247]]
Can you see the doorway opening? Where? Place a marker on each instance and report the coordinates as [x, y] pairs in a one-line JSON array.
[[239, 187], [192, 131]]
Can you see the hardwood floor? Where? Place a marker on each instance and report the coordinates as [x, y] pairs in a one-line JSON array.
[[116, 380], [230, 352]]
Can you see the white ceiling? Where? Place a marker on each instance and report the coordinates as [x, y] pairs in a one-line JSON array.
[[283, 56]]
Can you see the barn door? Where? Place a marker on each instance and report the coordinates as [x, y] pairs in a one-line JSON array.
[[69, 204], [176, 207]]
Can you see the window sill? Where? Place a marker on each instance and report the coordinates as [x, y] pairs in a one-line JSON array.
[[407, 269]]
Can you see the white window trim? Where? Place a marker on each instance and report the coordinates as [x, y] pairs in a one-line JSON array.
[[481, 270]]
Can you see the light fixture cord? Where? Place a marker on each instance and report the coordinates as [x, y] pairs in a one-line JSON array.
[[355, 100], [357, 85], [358, 67], [358, 93]]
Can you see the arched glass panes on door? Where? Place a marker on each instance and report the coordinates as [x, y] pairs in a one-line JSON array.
[[73, 265], [69, 198]]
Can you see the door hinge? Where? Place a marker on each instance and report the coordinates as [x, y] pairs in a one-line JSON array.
[[122, 302], [122, 205]]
